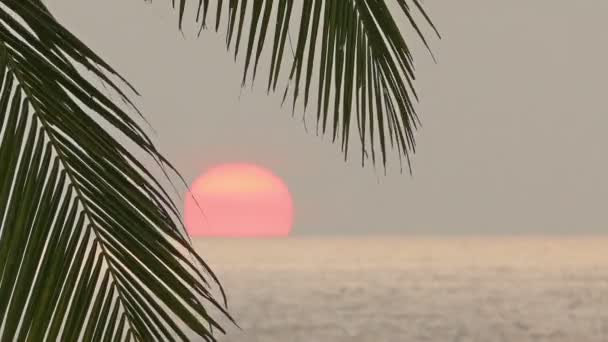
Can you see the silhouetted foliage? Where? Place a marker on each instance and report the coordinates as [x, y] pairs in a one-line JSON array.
[[91, 245]]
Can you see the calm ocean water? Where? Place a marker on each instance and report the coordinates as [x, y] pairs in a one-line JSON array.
[[414, 289]]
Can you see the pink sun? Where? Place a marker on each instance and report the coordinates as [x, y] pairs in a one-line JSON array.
[[238, 200]]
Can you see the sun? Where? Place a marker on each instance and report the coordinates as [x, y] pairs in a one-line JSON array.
[[238, 200]]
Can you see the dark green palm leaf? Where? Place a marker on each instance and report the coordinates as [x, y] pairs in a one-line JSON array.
[[355, 50], [89, 244]]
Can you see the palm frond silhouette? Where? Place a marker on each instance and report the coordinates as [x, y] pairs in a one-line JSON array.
[[91, 245]]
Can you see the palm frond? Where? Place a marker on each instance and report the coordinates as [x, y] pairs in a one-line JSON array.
[[353, 50], [90, 244]]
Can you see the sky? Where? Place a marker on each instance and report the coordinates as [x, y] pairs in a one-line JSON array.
[[513, 112]]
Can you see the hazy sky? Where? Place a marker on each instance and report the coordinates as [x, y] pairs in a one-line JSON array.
[[514, 118]]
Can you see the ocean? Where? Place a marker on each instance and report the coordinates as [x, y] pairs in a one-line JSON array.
[[437, 289]]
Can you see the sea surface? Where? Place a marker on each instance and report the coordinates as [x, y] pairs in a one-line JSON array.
[[414, 289]]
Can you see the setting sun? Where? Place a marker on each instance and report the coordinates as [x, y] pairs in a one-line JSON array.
[[238, 200]]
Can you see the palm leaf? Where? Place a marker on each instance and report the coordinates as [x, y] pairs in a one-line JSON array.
[[90, 245], [353, 50]]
